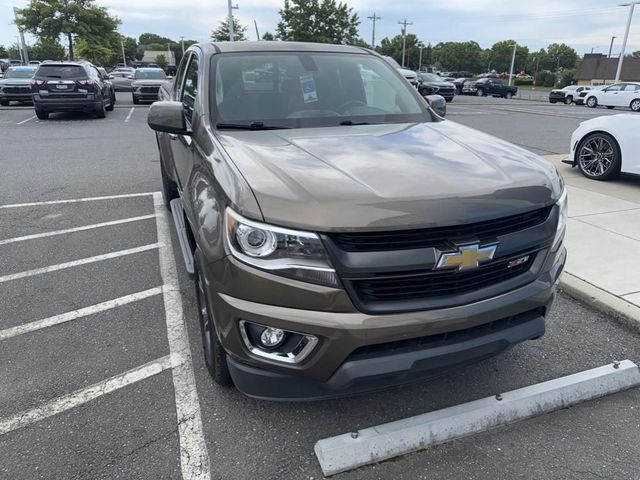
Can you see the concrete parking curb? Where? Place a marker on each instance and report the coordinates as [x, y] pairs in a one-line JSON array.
[[605, 302]]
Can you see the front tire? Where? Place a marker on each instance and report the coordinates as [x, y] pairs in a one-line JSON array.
[[508, 95], [598, 156], [568, 100], [41, 114], [4, 102], [635, 105], [169, 187], [480, 92], [136, 101], [214, 355], [592, 102], [112, 102], [101, 111]]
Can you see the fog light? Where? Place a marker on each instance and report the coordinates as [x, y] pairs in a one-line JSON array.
[[271, 337]]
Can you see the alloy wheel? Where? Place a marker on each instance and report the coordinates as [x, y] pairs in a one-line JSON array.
[[596, 156], [205, 319]]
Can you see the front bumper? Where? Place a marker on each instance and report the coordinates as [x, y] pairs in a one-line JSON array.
[[399, 348], [556, 97], [145, 96]]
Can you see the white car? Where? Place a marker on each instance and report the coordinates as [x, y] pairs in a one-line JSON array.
[[616, 95], [410, 75], [603, 147]]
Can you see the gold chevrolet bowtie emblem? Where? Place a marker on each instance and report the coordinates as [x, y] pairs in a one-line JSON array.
[[468, 257]]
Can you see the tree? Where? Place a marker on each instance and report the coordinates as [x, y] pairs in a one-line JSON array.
[[221, 34], [161, 61], [499, 57], [322, 21], [457, 56], [561, 55], [47, 50], [393, 48], [98, 52], [147, 38], [130, 49], [48, 19], [268, 36], [3, 52]]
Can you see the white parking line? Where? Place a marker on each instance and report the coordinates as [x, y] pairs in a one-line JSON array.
[[85, 395], [194, 457], [126, 120], [25, 121], [53, 233], [76, 200], [75, 263], [80, 313]]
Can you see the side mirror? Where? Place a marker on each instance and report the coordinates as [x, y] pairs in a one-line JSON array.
[[438, 104], [167, 117]]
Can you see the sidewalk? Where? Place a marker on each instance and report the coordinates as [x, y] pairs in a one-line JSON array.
[[603, 239]]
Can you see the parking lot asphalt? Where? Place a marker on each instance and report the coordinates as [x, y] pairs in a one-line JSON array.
[[61, 264]]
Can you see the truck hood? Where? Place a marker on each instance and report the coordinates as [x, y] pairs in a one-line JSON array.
[[397, 176], [6, 82]]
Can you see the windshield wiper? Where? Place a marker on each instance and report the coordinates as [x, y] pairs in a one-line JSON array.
[[351, 122], [250, 126]]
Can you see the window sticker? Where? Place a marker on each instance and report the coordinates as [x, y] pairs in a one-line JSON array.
[[308, 86]]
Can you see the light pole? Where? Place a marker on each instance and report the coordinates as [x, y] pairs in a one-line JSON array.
[[230, 19], [124, 58], [513, 61], [374, 18], [23, 46], [404, 37], [626, 37], [611, 46], [182, 42]]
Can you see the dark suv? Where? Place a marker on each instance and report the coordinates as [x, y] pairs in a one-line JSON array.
[[342, 236], [71, 87]]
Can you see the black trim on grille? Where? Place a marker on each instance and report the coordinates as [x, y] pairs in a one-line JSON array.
[[440, 236]]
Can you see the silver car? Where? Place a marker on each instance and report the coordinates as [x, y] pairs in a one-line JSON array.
[[121, 80]]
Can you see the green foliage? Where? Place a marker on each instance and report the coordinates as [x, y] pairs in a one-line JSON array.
[[147, 38], [360, 42], [221, 34], [13, 52], [3, 52], [161, 61], [545, 79], [322, 21], [393, 48], [560, 55], [567, 77], [457, 56], [268, 36], [522, 81], [499, 56], [83, 19], [130, 49], [47, 50]]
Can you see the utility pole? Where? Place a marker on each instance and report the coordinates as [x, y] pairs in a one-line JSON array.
[[420, 61], [404, 37], [23, 46], [182, 42], [374, 18], [230, 20], [124, 58], [256, 25], [513, 61], [611, 46], [626, 37]]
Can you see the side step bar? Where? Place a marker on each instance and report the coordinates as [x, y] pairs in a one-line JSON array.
[[181, 229]]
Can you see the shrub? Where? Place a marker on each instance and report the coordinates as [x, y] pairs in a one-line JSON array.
[[523, 81]]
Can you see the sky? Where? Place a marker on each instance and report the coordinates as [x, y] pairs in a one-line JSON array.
[[583, 24]]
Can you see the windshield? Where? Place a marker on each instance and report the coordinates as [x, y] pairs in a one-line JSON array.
[[311, 89], [19, 73], [431, 77], [150, 75]]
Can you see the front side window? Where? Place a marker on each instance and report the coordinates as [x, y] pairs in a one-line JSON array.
[[190, 89], [614, 88], [311, 89]]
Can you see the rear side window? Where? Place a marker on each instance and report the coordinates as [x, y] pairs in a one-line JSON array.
[[61, 71]]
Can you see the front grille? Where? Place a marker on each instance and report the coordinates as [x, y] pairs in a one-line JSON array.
[[149, 89], [438, 237], [446, 90], [444, 339], [18, 90], [403, 286]]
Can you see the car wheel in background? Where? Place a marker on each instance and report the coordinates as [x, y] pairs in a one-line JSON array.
[[214, 355], [635, 105], [552, 101], [169, 188], [592, 102], [568, 100], [41, 114], [112, 102], [598, 156], [101, 111], [508, 96], [610, 107], [480, 92], [4, 103], [135, 100], [448, 100]]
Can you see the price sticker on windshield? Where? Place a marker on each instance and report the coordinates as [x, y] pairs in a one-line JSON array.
[[308, 86]]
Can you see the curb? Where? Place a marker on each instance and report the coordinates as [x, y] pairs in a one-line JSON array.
[[607, 303]]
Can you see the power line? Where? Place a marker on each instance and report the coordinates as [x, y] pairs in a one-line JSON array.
[[404, 36]]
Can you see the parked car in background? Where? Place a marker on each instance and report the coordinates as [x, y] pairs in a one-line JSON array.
[[4, 64], [432, 84], [107, 80], [606, 146], [15, 86], [568, 94], [616, 95], [71, 87], [146, 84], [489, 87], [334, 261], [34, 62], [15, 63], [459, 83], [582, 96], [410, 75], [121, 80]]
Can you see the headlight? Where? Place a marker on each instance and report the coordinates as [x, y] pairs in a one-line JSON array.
[[563, 212], [290, 253]]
